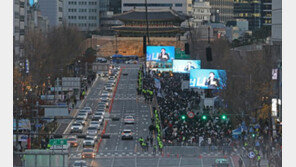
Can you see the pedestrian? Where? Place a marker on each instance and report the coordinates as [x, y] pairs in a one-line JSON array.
[[240, 162], [151, 140], [258, 160]]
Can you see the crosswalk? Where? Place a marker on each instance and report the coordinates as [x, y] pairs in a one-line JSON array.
[[118, 154]]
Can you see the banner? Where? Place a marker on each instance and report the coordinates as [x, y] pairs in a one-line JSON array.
[[184, 66], [160, 53], [207, 79]]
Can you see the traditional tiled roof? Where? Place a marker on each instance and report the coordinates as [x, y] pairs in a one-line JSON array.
[[153, 15]]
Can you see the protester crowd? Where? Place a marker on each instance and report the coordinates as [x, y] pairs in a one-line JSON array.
[[210, 132]]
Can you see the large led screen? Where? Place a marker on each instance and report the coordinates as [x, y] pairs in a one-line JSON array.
[[207, 79], [184, 66], [160, 53]]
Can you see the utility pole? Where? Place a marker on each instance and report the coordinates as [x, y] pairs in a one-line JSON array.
[[147, 26]]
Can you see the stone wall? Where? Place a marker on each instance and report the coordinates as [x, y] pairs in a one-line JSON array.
[[128, 45]]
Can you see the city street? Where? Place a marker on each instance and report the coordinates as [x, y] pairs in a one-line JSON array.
[[116, 152]]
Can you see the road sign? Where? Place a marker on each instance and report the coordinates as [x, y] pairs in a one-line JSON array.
[[251, 154], [190, 114], [58, 142]]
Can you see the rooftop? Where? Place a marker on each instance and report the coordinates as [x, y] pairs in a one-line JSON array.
[[153, 15]]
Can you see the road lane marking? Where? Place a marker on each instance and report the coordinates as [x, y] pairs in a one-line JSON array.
[[112, 162], [180, 161]]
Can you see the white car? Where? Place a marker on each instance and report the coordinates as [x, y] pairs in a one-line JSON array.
[[129, 120], [92, 131], [81, 121], [95, 124], [76, 127], [82, 115], [106, 93], [127, 134], [89, 141], [109, 88]]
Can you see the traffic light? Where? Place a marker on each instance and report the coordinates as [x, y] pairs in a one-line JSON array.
[[183, 117], [223, 117], [204, 117], [253, 135]]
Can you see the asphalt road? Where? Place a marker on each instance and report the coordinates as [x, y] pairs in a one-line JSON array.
[[115, 152]]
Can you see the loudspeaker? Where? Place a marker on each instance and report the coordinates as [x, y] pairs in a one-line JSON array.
[[144, 44], [209, 54], [187, 48]]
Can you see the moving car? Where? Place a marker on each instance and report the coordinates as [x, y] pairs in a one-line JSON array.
[[127, 134], [88, 109], [95, 124], [72, 140], [88, 153], [106, 93], [92, 131], [80, 163], [82, 115], [109, 88], [80, 120], [89, 141], [129, 120], [76, 127], [106, 101]]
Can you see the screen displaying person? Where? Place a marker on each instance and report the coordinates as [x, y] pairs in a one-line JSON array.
[[163, 56], [189, 66], [212, 82]]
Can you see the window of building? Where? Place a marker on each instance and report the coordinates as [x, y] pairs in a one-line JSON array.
[[149, 4], [178, 5]]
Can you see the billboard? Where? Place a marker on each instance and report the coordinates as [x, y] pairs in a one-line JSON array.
[[207, 79], [184, 66], [160, 53]]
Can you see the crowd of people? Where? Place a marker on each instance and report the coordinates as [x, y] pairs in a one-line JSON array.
[[205, 129], [175, 103]]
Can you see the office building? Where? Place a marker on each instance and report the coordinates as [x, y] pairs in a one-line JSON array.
[[201, 13], [266, 7], [20, 8], [249, 10], [222, 9], [82, 14], [53, 10], [181, 6], [276, 26]]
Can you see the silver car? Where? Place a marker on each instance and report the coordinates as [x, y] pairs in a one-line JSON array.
[[92, 131]]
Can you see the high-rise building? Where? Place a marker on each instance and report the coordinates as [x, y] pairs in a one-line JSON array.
[[223, 9], [276, 26], [53, 10], [266, 7], [249, 10], [19, 24], [115, 6], [201, 13], [83, 14], [181, 6]]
